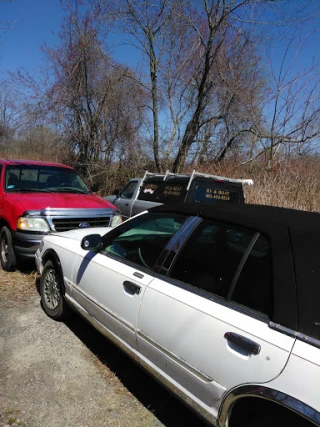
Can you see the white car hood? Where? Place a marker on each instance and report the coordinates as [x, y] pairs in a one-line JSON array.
[[79, 234]]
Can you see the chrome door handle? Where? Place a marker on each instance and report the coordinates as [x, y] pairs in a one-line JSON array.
[[131, 288], [248, 345]]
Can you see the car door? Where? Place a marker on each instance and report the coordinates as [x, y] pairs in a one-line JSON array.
[[110, 284], [205, 325]]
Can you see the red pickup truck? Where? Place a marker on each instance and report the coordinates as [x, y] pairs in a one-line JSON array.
[[37, 198]]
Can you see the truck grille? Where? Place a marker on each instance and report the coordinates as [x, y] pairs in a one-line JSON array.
[[65, 224]]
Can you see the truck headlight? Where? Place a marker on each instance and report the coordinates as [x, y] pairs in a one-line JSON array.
[[116, 220], [32, 224]]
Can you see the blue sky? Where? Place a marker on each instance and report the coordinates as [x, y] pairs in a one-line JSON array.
[[37, 21]]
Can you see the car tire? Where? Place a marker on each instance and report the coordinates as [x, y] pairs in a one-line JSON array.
[[51, 291], [8, 257]]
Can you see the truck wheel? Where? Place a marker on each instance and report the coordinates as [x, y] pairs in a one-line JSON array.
[[51, 290], [8, 257]]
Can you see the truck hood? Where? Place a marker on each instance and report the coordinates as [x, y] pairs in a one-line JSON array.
[[111, 199], [39, 201]]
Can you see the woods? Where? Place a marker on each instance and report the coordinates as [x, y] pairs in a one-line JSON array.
[[216, 85]]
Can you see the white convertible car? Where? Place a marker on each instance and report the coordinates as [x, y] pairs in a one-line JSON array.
[[207, 300]]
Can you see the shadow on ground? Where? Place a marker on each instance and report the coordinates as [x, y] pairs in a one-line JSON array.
[[167, 408], [26, 267]]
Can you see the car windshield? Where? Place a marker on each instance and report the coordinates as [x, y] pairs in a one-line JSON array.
[[48, 179]]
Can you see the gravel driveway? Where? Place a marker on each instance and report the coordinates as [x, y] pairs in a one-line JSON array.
[[55, 374]]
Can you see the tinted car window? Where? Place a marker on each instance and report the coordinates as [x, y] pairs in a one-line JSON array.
[[230, 262], [254, 286], [142, 239], [210, 257]]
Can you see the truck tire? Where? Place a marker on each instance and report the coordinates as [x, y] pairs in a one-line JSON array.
[[51, 290], [8, 257]]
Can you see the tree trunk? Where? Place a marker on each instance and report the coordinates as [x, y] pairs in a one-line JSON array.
[[155, 106]]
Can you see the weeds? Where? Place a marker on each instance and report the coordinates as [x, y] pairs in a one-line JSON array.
[[17, 287], [292, 183], [10, 418]]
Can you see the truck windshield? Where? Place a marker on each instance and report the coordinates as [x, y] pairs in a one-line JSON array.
[[48, 179]]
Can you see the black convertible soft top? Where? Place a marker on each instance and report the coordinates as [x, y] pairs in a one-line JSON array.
[[303, 229]]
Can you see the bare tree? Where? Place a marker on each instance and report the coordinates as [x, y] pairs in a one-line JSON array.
[[87, 99], [290, 124], [10, 116], [146, 24], [205, 79], [214, 26], [201, 78], [94, 95]]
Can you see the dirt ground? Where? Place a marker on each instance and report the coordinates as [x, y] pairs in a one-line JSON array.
[[56, 374]]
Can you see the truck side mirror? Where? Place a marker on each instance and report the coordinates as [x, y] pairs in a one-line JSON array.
[[116, 192]]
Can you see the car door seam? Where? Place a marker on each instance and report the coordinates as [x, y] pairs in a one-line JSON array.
[[103, 308], [177, 359]]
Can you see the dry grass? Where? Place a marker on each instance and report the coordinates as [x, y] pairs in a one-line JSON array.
[[292, 183], [17, 287]]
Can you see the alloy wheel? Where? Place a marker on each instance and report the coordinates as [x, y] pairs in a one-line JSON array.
[[51, 289], [4, 249]]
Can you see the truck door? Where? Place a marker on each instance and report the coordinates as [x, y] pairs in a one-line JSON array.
[[126, 198]]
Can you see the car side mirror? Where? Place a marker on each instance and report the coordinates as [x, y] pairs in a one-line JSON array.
[[116, 192], [92, 242]]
